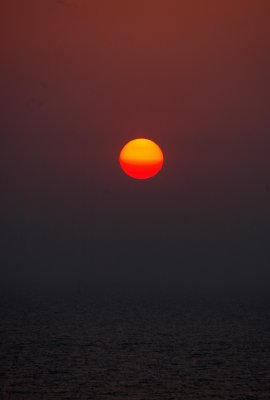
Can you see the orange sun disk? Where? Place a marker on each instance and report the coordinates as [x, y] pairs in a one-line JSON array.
[[141, 158]]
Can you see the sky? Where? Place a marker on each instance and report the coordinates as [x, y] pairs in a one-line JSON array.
[[81, 78]]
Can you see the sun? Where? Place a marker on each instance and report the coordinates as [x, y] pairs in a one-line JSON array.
[[141, 158]]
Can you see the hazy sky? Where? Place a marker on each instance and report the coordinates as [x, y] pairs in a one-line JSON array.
[[81, 78]]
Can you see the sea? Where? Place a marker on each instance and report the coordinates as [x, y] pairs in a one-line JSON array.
[[134, 345]]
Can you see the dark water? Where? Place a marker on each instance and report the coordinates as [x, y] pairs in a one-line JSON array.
[[83, 346]]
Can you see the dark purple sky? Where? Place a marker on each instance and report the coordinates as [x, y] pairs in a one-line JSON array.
[[81, 78]]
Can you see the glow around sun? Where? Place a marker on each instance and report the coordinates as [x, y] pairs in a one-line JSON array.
[[141, 158]]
